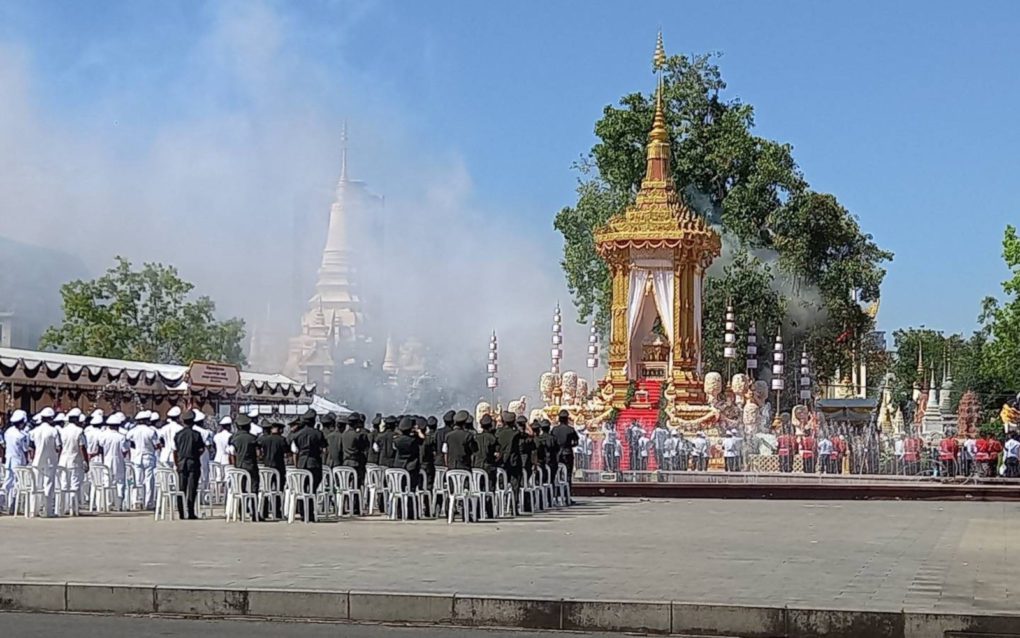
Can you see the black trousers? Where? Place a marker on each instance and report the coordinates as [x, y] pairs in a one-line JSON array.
[[277, 501], [658, 459], [253, 473], [188, 476], [568, 461], [316, 471], [809, 464], [786, 463]]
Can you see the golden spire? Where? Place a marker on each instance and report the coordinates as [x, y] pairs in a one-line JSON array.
[[659, 132], [659, 59]]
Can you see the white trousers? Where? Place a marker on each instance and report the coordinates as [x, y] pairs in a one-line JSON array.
[[145, 480], [8, 488], [49, 484], [73, 479]]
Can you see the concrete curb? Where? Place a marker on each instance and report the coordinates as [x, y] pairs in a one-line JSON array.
[[659, 617]]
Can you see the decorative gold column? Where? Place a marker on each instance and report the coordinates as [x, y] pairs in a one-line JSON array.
[[619, 340]]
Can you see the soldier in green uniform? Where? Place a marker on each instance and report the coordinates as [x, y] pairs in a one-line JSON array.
[[486, 454], [373, 434], [509, 440], [385, 441], [566, 438], [552, 449], [245, 454], [334, 446], [309, 443], [441, 435], [459, 443], [428, 452], [541, 445], [356, 445], [188, 450], [407, 451], [274, 456], [527, 446]]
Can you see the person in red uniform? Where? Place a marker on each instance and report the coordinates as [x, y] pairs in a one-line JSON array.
[[912, 455], [949, 448], [808, 451], [839, 449], [787, 450], [981, 458], [994, 449]]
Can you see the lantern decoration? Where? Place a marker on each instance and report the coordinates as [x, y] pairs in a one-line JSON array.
[[557, 340], [752, 349], [593, 350], [730, 337], [493, 367], [805, 377], [778, 367]]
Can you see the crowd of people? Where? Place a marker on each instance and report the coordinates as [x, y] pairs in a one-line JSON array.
[[62, 446]]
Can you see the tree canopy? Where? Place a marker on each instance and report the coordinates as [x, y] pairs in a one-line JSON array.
[[143, 315], [790, 254]]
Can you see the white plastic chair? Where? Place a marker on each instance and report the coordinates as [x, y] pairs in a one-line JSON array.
[[218, 482], [325, 497], [28, 491], [375, 487], [458, 486], [167, 492], [66, 496], [345, 480], [504, 495], [527, 494], [398, 488], [132, 491], [299, 489], [480, 488], [547, 486], [561, 487], [269, 492], [439, 496], [104, 492], [240, 495]]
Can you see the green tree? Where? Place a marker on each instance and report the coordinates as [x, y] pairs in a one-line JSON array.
[[143, 315], [1001, 329], [752, 190]]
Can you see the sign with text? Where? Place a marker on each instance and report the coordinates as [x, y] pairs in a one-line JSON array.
[[206, 374]]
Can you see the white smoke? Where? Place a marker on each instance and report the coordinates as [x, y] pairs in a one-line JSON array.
[[233, 186]]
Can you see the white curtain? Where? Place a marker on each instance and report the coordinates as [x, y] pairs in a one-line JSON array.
[[638, 277], [662, 283]]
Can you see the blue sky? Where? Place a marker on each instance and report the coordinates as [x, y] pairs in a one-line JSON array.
[[906, 111]]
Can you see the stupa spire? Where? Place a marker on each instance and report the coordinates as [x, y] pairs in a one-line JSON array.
[[659, 59]]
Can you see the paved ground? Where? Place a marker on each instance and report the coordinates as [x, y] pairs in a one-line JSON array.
[[851, 555], [81, 626]]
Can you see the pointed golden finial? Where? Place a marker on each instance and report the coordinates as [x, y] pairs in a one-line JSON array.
[[659, 132], [659, 59]]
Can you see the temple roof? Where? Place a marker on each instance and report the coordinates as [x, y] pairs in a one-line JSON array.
[[659, 218]]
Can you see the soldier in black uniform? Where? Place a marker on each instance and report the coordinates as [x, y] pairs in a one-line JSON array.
[[273, 448], [509, 440], [566, 438], [441, 435], [188, 451], [385, 441], [310, 444], [334, 447], [541, 446], [527, 445], [459, 443], [245, 454], [407, 451], [373, 434], [552, 449], [486, 453], [356, 445], [428, 452]]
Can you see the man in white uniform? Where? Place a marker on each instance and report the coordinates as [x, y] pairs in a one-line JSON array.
[[73, 452], [46, 445], [143, 440], [699, 452], [167, 434], [222, 440], [207, 440], [731, 458], [15, 452], [92, 433], [115, 447]]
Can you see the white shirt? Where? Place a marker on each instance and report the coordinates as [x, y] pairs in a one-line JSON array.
[[72, 439], [643, 445], [143, 439], [207, 440], [91, 433], [167, 434], [1012, 449], [700, 446], [898, 448], [729, 446], [824, 447], [114, 446], [46, 440], [970, 448], [16, 442], [221, 441], [255, 430]]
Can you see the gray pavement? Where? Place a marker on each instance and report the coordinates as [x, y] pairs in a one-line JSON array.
[[88, 626], [886, 555]]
